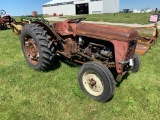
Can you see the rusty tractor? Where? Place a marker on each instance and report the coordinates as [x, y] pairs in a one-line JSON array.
[[5, 20], [106, 53]]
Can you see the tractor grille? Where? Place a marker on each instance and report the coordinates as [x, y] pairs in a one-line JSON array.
[[131, 49]]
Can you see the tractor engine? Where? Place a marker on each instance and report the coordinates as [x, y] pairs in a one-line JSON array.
[[84, 49], [97, 51], [70, 46]]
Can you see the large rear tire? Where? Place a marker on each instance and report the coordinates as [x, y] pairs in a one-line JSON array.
[[96, 81], [37, 47]]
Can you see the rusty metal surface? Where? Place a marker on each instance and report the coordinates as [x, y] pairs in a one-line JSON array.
[[142, 49], [145, 42], [120, 48], [120, 76], [65, 28], [70, 46], [31, 50], [106, 32]]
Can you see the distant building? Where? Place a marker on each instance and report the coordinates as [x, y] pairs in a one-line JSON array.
[[75, 7]]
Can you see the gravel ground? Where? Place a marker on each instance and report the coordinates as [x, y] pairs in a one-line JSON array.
[[107, 23]]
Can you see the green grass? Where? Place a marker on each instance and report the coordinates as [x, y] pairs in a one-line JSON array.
[[140, 18], [26, 94], [17, 18]]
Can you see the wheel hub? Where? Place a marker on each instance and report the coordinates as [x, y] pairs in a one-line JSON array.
[[92, 83], [31, 50]]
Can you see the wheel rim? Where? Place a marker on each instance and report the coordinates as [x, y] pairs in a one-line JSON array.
[[31, 50], [92, 83]]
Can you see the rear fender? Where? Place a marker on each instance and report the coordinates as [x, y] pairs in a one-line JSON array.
[[49, 31], [55, 36], [64, 28]]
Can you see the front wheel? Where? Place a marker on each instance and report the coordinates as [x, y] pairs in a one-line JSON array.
[[96, 81], [136, 63]]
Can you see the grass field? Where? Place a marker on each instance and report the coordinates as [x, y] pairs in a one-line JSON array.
[[26, 94], [140, 18]]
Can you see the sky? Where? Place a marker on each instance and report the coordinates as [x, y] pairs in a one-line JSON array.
[[25, 7]]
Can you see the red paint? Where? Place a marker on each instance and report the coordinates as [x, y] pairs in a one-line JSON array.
[[120, 48]]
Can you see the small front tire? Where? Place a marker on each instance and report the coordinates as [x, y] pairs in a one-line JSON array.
[[96, 81], [136, 62]]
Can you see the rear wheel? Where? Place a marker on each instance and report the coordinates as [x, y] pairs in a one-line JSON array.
[[96, 81], [37, 47]]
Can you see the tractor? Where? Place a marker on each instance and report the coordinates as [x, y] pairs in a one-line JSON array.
[[5, 20], [106, 53]]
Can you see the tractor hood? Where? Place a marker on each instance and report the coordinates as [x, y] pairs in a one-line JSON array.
[[106, 32]]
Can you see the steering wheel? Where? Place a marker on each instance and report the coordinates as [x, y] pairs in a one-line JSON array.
[[77, 20], [2, 12]]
